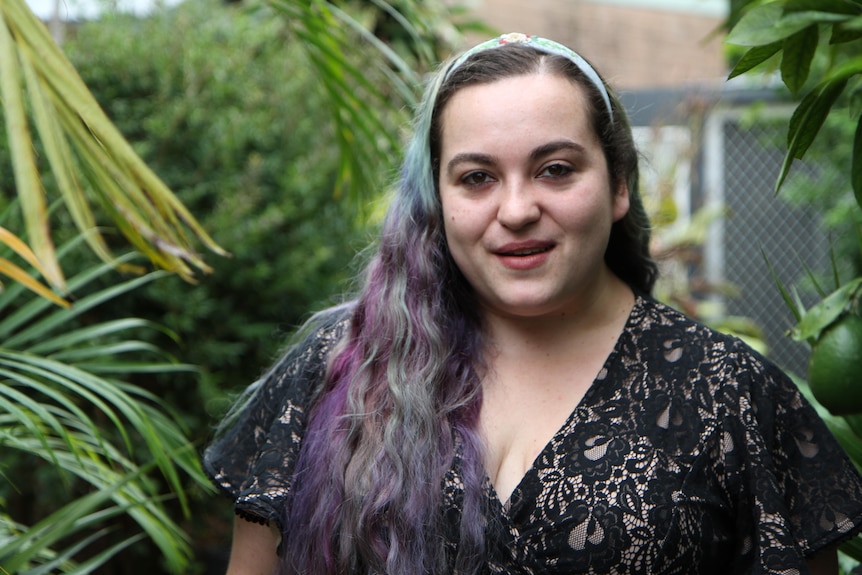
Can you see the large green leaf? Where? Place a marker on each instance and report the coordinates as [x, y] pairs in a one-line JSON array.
[[23, 160], [755, 56], [812, 111], [768, 23], [806, 122], [796, 59], [822, 315]]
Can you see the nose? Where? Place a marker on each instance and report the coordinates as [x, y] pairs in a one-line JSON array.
[[518, 206]]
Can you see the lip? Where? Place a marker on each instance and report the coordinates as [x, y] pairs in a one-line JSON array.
[[524, 255]]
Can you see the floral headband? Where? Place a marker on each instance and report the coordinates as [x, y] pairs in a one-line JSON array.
[[542, 45]]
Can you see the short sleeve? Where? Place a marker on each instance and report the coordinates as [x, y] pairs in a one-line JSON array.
[[799, 492], [253, 455]]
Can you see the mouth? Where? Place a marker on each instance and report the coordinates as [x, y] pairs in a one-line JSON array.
[[524, 250], [527, 252], [524, 256]]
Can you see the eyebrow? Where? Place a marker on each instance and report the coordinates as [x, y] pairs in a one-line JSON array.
[[537, 154], [471, 158], [556, 146]]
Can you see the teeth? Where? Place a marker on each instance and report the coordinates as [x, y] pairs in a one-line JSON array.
[[528, 252]]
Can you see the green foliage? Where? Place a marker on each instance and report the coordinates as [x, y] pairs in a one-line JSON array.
[[226, 109], [826, 312], [108, 450], [258, 117], [91, 163], [792, 28], [41, 95], [818, 43], [828, 190]]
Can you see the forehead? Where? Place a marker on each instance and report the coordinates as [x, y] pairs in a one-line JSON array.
[[516, 108]]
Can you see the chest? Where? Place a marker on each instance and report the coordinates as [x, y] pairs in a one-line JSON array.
[[626, 485], [518, 421], [601, 500], [525, 404]]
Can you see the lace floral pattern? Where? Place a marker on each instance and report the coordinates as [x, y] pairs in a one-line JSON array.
[[253, 460], [689, 454]]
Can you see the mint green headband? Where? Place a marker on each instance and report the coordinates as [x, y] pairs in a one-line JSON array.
[[542, 45]]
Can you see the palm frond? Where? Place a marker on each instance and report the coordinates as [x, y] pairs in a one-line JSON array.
[[87, 155], [63, 401], [47, 105], [370, 86]]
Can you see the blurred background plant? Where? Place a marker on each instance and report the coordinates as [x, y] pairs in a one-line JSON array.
[[91, 462], [678, 237]]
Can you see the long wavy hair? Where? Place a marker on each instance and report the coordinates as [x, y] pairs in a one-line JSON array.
[[400, 405]]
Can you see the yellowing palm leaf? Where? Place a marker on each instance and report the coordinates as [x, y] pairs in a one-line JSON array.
[[90, 159], [14, 272]]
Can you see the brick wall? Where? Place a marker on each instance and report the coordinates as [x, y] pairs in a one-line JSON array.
[[632, 47]]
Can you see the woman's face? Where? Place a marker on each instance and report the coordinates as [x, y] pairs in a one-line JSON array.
[[526, 195]]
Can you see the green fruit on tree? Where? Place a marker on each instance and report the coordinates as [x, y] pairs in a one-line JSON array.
[[835, 368]]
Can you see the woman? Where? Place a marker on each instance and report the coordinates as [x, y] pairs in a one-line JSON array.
[[504, 396]]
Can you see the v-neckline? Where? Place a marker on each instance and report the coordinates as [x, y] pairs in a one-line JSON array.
[[601, 375]]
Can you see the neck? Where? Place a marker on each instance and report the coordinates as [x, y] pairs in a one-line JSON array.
[[602, 313]]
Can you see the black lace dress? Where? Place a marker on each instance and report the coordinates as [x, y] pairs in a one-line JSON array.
[[689, 454]]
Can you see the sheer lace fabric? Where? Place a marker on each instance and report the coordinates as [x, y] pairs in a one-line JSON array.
[[690, 453]]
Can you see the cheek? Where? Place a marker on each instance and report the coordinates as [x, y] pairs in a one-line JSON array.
[[457, 233], [457, 221], [463, 236], [456, 243], [447, 215]]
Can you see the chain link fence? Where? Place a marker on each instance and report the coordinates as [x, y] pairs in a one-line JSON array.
[[729, 164], [761, 230], [761, 227]]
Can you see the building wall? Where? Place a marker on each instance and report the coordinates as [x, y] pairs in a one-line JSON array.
[[633, 46]]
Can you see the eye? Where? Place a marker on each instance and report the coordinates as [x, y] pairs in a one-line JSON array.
[[476, 178], [556, 170]]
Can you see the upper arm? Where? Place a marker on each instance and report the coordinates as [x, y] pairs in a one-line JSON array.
[[824, 562], [254, 549]]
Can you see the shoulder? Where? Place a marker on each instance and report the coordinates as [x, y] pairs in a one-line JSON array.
[[259, 439], [657, 319], [721, 364], [292, 381], [312, 344], [677, 334]]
